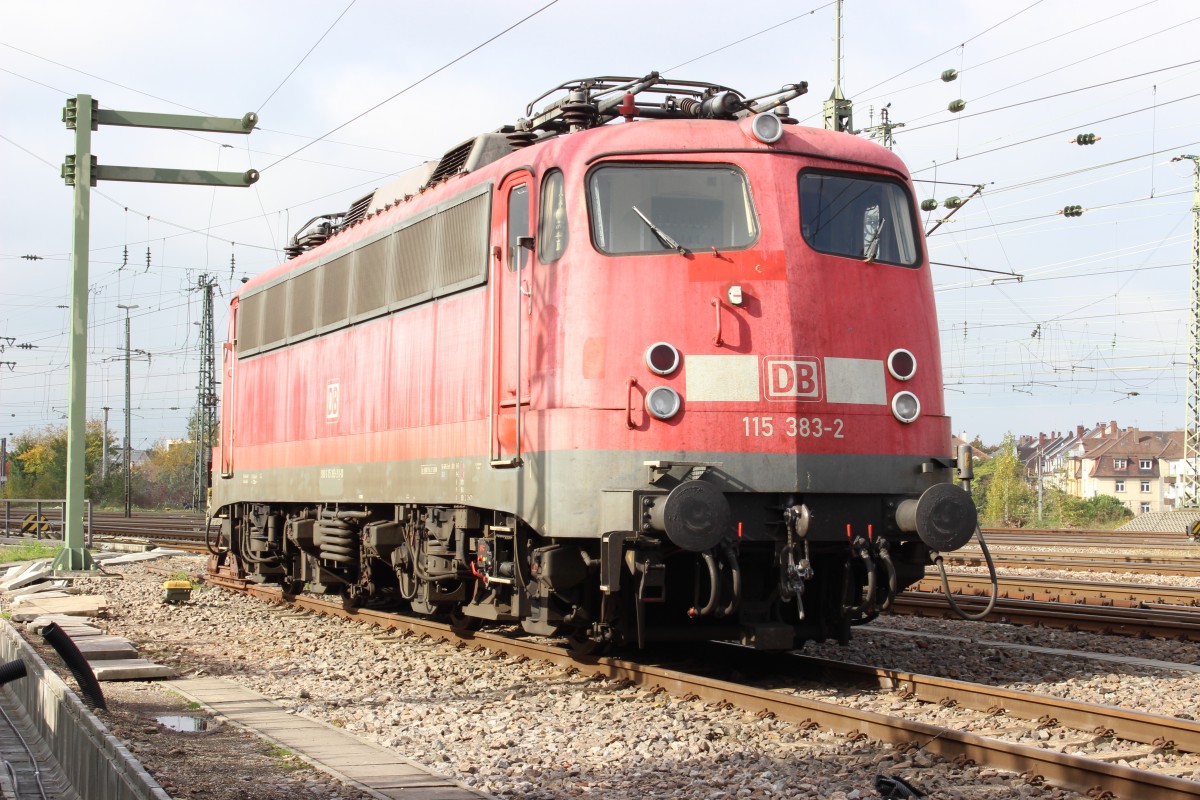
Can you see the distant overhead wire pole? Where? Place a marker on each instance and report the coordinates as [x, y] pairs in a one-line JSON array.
[[126, 459], [838, 111], [1189, 480], [206, 395]]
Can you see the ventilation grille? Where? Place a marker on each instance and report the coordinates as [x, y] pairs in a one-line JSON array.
[[358, 210], [453, 162]]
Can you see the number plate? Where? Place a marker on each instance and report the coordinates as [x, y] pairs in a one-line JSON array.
[[793, 427]]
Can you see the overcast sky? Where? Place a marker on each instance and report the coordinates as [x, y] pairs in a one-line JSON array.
[[1097, 329]]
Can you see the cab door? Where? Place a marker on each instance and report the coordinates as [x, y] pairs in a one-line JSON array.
[[228, 367], [512, 313]]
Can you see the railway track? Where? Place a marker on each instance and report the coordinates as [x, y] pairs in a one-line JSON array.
[[48, 524], [1062, 590], [1072, 561], [1035, 537], [1139, 733], [1163, 622]]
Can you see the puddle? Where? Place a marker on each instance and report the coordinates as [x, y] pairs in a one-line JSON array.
[[185, 723]]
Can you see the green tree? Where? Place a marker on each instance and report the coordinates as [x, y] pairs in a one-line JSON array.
[[1008, 501], [39, 464], [193, 424], [1101, 511], [164, 478]]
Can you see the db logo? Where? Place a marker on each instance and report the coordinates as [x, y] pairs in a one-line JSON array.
[[793, 378], [332, 400]]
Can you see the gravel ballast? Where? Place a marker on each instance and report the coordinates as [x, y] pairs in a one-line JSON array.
[[535, 730]]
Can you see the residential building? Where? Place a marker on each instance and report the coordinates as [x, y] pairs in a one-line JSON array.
[[1133, 466], [1139, 468]]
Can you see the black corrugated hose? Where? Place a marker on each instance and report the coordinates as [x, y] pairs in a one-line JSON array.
[[12, 671], [57, 638]]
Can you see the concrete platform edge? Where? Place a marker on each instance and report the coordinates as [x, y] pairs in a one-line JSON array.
[[92, 759], [175, 686]]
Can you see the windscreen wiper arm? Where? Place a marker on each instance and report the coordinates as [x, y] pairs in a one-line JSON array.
[[872, 248], [660, 233]]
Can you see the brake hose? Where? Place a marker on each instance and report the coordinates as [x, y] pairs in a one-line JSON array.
[[987, 556]]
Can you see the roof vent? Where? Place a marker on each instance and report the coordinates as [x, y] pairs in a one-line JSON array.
[[358, 210], [471, 155]]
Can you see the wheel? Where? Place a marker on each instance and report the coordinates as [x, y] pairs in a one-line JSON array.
[[463, 623]]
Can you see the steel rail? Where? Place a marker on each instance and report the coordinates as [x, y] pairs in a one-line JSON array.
[[1135, 726], [1062, 590], [1075, 562], [1085, 533], [1157, 622], [1034, 764]]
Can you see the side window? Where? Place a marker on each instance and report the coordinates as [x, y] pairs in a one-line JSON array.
[[552, 219], [858, 216], [518, 225]]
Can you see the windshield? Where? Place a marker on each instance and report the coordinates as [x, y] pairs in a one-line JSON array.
[[865, 218], [656, 209]]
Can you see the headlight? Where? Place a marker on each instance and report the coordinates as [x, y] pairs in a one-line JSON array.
[[902, 364], [906, 407], [662, 358], [767, 128], [663, 402]]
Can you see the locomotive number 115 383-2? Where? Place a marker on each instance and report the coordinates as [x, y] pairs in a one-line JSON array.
[[803, 427]]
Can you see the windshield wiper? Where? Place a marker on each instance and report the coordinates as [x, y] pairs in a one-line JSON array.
[[872, 248], [661, 234]]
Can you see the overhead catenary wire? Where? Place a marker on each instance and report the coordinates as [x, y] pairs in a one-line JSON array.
[[1057, 38], [956, 118], [66, 92], [1054, 214], [959, 117], [120, 204], [808, 13], [955, 47], [412, 85], [1059, 176], [1064, 130], [287, 77], [1169, 29], [97, 77]]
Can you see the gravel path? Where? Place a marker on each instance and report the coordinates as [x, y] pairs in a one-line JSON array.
[[533, 730]]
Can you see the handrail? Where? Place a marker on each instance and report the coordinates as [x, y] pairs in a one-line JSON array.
[[717, 340], [629, 403]]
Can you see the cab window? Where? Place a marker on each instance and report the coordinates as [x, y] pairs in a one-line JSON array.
[[659, 208], [858, 217]]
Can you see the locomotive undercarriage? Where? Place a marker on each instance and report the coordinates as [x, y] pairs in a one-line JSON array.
[[787, 577]]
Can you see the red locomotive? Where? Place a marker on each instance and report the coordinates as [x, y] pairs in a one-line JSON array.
[[672, 378]]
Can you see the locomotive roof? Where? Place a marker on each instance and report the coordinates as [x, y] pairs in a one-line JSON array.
[[573, 131]]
